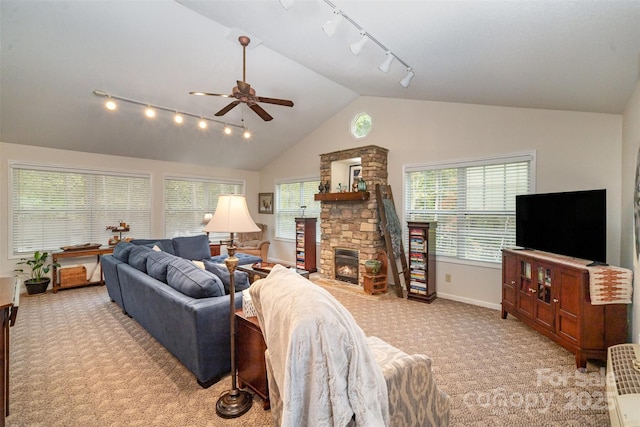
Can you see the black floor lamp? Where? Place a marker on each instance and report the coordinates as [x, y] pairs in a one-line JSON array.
[[232, 216]]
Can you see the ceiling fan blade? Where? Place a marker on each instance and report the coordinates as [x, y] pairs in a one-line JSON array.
[[228, 108], [243, 87], [210, 94], [283, 102], [260, 111]]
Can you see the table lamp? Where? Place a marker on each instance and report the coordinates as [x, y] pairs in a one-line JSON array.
[[232, 216]]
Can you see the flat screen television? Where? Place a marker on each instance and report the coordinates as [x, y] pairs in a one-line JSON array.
[[569, 223]]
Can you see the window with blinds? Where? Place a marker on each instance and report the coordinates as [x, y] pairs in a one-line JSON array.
[[51, 207], [187, 200], [289, 198], [473, 204]]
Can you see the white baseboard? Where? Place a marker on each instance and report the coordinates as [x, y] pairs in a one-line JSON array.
[[470, 301]]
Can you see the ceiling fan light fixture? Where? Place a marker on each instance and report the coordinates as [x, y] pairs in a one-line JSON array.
[[356, 47], [406, 81], [330, 27], [150, 112], [386, 65], [202, 124]]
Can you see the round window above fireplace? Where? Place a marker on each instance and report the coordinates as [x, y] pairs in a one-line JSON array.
[[361, 125]]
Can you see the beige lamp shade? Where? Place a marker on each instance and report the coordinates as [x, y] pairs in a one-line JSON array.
[[231, 216]]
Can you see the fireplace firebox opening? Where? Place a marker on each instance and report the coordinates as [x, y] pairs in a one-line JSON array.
[[346, 265]]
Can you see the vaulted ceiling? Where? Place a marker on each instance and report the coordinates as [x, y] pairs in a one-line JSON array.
[[569, 55]]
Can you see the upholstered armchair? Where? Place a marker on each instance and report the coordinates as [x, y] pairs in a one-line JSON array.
[[254, 243]]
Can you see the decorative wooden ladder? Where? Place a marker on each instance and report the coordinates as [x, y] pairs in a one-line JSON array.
[[383, 192]]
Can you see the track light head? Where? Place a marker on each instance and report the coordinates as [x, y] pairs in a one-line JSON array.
[[356, 47], [330, 27], [246, 134], [406, 81], [386, 65]]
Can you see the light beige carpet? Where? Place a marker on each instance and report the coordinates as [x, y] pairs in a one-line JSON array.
[[76, 360]]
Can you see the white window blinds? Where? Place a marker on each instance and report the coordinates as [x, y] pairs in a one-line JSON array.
[[473, 204], [51, 208], [289, 198], [187, 200]]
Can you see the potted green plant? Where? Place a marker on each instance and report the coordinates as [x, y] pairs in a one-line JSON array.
[[37, 282]]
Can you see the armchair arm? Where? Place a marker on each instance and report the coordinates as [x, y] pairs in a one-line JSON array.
[[264, 249]]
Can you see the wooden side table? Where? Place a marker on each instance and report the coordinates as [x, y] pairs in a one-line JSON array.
[[214, 248], [250, 362]]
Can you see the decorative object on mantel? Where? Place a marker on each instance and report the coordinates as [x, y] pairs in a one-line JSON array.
[[327, 187], [321, 188], [362, 185]]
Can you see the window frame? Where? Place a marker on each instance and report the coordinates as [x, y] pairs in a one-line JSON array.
[[296, 212], [459, 165], [213, 237], [96, 172]]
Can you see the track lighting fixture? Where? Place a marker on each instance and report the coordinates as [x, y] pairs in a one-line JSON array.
[[110, 104], [330, 27], [386, 65], [151, 111], [407, 79], [246, 134], [356, 47]]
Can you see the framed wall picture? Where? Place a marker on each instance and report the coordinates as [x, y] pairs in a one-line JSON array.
[[265, 203], [355, 173]]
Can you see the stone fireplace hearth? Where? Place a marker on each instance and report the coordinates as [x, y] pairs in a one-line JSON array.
[[352, 224]]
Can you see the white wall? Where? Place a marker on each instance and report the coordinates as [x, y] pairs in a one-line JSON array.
[[575, 151], [630, 147], [157, 169]]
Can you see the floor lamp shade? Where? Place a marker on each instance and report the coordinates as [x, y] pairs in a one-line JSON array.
[[231, 216]]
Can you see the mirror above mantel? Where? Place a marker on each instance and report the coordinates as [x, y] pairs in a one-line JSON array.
[[341, 172]]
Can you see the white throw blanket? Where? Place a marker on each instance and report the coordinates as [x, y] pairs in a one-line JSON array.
[[321, 362]]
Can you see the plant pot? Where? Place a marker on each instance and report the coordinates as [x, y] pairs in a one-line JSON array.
[[372, 266], [37, 287]]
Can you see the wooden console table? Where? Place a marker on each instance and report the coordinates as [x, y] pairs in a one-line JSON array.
[[56, 256]]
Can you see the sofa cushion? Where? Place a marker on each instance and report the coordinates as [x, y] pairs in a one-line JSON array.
[[241, 279], [192, 247], [166, 245], [157, 263], [138, 257], [185, 277], [121, 251]]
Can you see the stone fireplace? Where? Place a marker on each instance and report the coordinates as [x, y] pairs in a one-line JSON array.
[[351, 223]]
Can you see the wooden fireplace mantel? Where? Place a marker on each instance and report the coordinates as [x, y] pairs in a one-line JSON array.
[[342, 197]]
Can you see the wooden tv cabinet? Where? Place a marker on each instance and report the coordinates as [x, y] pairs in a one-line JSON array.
[[551, 295]]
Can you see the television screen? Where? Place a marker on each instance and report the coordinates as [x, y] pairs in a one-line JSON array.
[[570, 223]]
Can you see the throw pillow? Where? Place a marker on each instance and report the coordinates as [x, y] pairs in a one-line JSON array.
[[198, 264], [121, 251], [138, 257], [188, 279], [241, 279]]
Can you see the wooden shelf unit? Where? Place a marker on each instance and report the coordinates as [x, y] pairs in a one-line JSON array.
[[553, 298], [306, 244], [251, 364], [422, 261]]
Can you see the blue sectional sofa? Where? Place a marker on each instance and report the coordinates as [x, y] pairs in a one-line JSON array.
[[181, 305]]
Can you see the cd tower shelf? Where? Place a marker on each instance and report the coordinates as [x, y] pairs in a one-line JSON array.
[[422, 261], [306, 244]]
